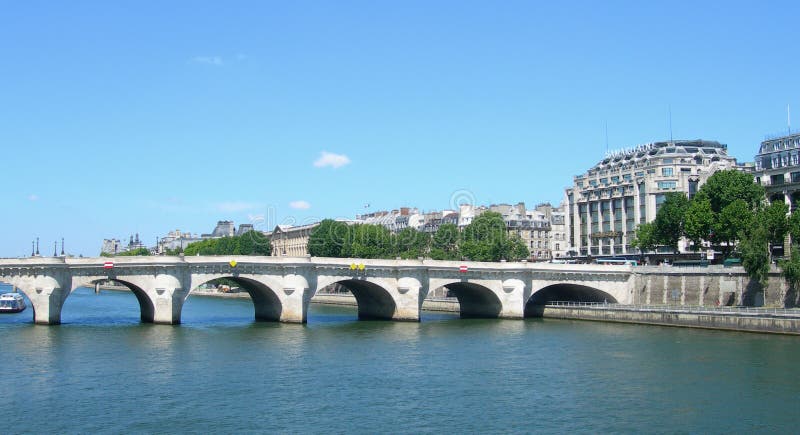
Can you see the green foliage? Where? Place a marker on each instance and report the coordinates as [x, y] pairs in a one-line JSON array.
[[773, 219], [698, 221], [754, 249], [732, 221], [790, 269], [645, 238], [329, 238], [444, 245], [411, 244], [519, 250], [793, 226], [725, 187], [486, 239], [668, 225], [173, 252], [371, 241], [134, 252], [249, 243]]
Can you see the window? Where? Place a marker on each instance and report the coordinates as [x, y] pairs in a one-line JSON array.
[[667, 185], [666, 172], [668, 161]]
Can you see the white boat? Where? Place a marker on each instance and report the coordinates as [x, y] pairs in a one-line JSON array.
[[12, 303]]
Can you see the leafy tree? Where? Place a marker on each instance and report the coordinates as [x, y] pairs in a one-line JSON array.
[[371, 241], [329, 239], [732, 221], [754, 249], [773, 219], [444, 244], [793, 226], [134, 252], [410, 243], [486, 239], [668, 225], [645, 238], [249, 243], [698, 220], [519, 250], [790, 269], [725, 187]]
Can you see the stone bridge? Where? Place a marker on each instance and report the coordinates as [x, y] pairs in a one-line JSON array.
[[281, 288]]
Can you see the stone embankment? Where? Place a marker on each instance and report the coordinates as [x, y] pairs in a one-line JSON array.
[[744, 319]]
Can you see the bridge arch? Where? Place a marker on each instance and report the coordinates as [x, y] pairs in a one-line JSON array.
[[146, 306], [267, 304], [373, 297], [568, 292], [475, 300]]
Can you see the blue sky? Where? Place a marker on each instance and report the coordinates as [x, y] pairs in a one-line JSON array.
[[123, 117]]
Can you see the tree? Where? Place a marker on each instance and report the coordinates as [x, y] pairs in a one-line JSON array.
[[329, 239], [773, 219], [249, 243], [444, 244], [644, 239], [732, 221], [134, 252], [486, 239], [793, 226], [754, 249], [411, 243], [790, 269], [518, 249], [725, 187], [698, 220], [371, 241], [668, 225]]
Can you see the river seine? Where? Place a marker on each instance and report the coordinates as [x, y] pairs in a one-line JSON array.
[[103, 371]]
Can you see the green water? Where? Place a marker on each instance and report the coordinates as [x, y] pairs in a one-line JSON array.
[[103, 371]]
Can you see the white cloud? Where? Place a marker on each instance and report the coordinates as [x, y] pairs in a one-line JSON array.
[[33, 197], [300, 205], [234, 206], [331, 159], [208, 60]]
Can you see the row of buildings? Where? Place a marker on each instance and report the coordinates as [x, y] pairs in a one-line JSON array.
[[606, 203], [597, 217]]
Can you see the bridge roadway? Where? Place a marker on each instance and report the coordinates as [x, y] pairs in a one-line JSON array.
[[282, 287]]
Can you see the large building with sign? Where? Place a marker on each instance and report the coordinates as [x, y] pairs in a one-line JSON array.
[[626, 188]]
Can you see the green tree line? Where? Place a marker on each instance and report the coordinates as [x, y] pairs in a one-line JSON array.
[[485, 239], [731, 212]]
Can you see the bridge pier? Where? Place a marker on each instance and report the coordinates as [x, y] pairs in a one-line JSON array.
[[167, 305]]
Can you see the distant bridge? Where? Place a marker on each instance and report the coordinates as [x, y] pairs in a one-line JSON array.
[[282, 287]]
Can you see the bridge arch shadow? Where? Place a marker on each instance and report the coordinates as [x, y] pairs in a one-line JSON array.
[[374, 301], [474, 300], [564, 292], [146, 308], [267, 306]]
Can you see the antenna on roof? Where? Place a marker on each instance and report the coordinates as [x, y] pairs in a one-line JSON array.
[[669, 108], [606, 137], [789, 118]]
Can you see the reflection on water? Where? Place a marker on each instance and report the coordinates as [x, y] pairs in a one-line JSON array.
[[103, 371]]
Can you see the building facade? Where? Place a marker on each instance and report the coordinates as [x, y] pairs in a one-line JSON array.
[[290, 241], [625, 189], [777, 168]]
